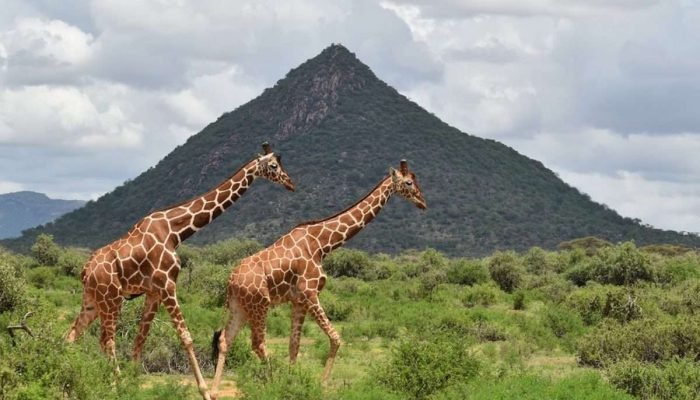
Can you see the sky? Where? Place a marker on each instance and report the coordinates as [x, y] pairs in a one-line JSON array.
[[603, 92]]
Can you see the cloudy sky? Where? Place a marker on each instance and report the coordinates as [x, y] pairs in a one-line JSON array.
[[604, 92]]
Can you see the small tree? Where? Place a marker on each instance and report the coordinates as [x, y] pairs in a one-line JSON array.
[[506, 270], [11, 287], [346, 262], [45, 250]]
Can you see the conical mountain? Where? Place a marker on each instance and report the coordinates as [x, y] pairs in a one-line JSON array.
[[339, 129]]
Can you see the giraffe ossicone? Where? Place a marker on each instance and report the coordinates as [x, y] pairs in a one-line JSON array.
[[290, 271], [143, 261]]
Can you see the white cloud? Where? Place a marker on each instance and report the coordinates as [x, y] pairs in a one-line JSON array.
[[65, 116], [601, 91], [662, 204]]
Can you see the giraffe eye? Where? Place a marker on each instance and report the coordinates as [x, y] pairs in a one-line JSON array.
[[409, 183], [273, 166]]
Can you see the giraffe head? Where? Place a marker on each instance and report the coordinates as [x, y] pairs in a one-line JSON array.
[[270, 167], [406, 185]]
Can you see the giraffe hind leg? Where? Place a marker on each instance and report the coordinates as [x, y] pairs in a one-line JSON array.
[[150, 309], [221, 343], [88, 313]]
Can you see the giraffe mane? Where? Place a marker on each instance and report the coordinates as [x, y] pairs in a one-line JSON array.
[[316, 221], [191, 199]]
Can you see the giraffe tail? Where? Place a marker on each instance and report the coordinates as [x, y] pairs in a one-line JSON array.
[[215, 345]]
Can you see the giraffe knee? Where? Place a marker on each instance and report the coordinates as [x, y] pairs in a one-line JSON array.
[[186, 339]]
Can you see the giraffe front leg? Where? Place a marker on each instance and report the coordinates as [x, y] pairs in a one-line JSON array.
[[150, 309], [173, 308], [257, 328], [298, 314], [315, 309], [236, 322], [108, 329]]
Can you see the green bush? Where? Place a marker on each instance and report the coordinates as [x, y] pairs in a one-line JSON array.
[[12, 287], [277, 380], [581, 272], [228, 252], [467, 272], [45, 367], [506, 270], [484, 294], [71, 261], [336, 310], [430, 280], [519, 300], [679, 268], [596, 302], [646, 340], [42, 277], [211, 280], [562, 322], [420, 368], [623, 264], [589, 244], [676, 379], [537, 261], [579, 386], [45, 250], [346, 262], [684, 299]]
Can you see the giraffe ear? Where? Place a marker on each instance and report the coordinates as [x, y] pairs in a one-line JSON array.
[[394, 174]]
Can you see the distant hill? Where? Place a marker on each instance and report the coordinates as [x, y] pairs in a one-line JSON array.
[[22, 210], [339, 129]]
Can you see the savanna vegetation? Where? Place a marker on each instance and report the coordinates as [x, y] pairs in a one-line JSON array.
[[589, 321]]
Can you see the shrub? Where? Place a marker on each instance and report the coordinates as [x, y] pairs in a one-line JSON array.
[[346, 262], [579, 386], [229, 252], [589, 244], [519, 300], [646, 340], [538, 262], [430, 280], [506, 270], [562, 322], [12, 287], [580, 273], [336, 310], [71, 261], [276, 380], [211, 281], [42, 277], [45, 250], [419, 368], [675, 379], [483, 295], [622, 265], [467, 272], [678, 269], [622, 306]]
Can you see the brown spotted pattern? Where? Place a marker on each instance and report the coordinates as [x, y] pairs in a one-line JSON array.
[[290, 271], [144, 261]]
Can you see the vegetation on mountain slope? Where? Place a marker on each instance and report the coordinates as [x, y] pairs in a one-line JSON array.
[[339, 129]]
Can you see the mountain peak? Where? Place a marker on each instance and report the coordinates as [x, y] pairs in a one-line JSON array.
[[308, 93], [340, 128]]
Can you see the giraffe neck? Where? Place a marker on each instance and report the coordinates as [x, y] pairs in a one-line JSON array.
[[187, 218], [338, 229]]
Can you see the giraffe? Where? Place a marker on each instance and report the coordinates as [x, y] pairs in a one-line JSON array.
[[290, 270], [143, 261]]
